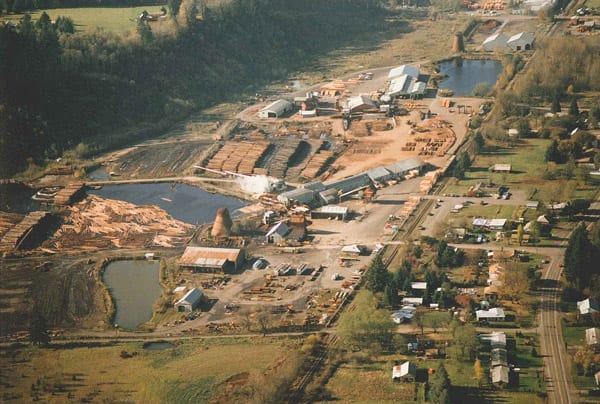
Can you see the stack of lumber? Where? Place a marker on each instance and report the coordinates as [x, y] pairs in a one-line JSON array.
[[316, 164], [281, 159], [238, 157], [66, 195], [8, 221], [15, 236]]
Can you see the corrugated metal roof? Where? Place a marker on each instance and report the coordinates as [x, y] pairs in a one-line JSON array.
[[361, 100], [406, 165], [334, 209], [351, 183], [278, 106], [316, 186], [404, 70], [208, 256], [191, 297], [379, 173], [280, 228], [301, 195]]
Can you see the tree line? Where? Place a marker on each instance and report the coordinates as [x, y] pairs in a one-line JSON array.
[[59, 89]]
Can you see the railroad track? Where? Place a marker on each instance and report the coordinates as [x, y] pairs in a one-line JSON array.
[[299, 385]]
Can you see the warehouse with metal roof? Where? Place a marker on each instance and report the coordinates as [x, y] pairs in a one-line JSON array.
[[275, 109], [212, 259]]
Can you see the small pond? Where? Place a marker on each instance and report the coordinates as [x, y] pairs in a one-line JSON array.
[[183, 202], [158, 346], [465, 74], [134, 287]]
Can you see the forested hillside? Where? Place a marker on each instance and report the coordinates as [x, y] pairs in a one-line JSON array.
[[59, 89]]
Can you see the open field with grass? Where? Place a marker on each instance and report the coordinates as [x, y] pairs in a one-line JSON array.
[[527, 158], [114, 19], [194, 371]]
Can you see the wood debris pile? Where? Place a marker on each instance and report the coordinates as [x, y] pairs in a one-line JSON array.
[[103, 223]]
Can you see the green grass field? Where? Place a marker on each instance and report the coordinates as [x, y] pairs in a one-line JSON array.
[[528, 168], [114, 19], [194, 371]]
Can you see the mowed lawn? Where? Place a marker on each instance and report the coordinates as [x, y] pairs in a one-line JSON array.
[[191, 372]]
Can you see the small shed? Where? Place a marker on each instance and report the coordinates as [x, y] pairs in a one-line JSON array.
[[190, 301], [521, 41], [275, 109], [501, 168], [405, 372], [354, 249], [277, 233], [420, 286]]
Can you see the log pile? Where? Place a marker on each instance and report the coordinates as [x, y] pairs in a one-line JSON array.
[[316, 164], [238, 157], [102, 223], [280, 161]]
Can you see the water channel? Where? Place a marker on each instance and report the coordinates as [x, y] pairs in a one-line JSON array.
[[134, 287], [465, 74], [183, 202]]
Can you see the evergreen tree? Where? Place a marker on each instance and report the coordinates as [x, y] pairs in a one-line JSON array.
[[463, 162], [573, 107], [578, 263], [144, 31], [479, 141], [552, 152], [438, 386], [555, 107], [38, 329], [65, 25], [390, 294], [174, 6], [377, 275]]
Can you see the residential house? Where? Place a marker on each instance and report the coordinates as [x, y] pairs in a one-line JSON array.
[[592, 335], [499, 375], [494, 314], [405, 372], [587, 306]]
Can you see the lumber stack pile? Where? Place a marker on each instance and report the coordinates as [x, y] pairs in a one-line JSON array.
[[281, 159], [15, 236], [316, 164], [67, 195], [8, 221], [238, 157], [101, 223]]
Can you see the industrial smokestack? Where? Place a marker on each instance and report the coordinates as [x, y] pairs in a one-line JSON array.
[[222, 225]]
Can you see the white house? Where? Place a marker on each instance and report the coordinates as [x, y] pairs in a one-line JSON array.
[[499, 376], [405, 313], [405, 372], [413, 301], [495, 314], [521, 41], [275, 109], [587, 306], [592, 335]]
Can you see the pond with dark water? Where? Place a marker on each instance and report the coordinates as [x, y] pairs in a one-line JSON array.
[[158, 346], [183, 202], [465, 74], [134, 287]]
